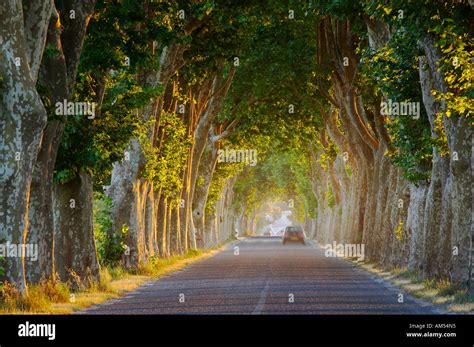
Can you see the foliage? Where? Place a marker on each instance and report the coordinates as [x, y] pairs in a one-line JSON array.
[[276, 94], [269, 181], [450, 25], [117, 51], [222, 174], [392, 71], [2, 268], [457, 67], [110, 243], [165, 164], [399, 231]]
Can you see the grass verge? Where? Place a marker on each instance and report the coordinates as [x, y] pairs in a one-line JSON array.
[[450, 297], [54, 297]]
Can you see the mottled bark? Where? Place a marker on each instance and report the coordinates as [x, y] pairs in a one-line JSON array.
[[136, 236], [151, 222], [207, 166], [460, 136], [219, 90], [127, 186], [123, 190], [427, 226], [74, 245], [36, 17], [53, 77], [456, 200], [57, 76], [225, 219], [378, 180], [439, 174], [209, 235], [387, 229], [206, 170], [378, 32], [74, 29], [22, 119], [174, 230], [415, 225], [187, 240], [168, 229], [161, 225], [399, 249]]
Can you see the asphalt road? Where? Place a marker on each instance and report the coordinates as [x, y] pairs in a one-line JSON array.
[[263, 279]]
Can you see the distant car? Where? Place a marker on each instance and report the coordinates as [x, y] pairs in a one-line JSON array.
[[267, 233], [293, 234]]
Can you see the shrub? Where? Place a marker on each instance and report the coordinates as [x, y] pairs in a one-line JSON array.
[[9, 296], [54, 289], [110, 243], [117, 272], [35, 300]]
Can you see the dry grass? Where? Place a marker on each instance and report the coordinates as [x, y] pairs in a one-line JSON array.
[[54, 297], [441, 292], [38, 298]]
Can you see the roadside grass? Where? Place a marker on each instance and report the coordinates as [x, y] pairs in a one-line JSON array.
[[54, 297], [38, 298], [437, 291]]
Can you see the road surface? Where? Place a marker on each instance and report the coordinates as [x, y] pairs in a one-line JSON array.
[[266, 277]]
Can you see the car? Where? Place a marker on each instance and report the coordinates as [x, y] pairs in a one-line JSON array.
[[293, 234]]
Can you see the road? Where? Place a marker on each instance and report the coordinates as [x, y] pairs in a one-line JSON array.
[[266, 278]]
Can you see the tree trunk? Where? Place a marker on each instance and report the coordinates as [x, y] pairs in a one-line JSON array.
[[58, 75], [126, 187], [460, 142], [53, 76], [415, 225], [174, 230], [186, 241], [74, 245], [206, 171], [123, 192], [22, 119], [219, 90], [168, 228]]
